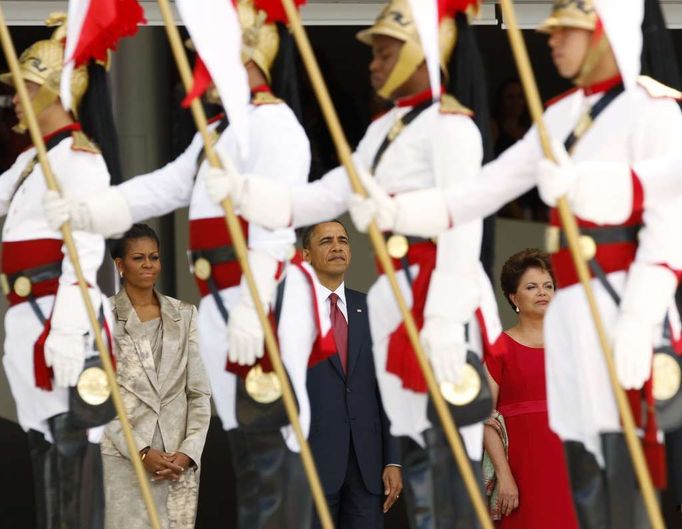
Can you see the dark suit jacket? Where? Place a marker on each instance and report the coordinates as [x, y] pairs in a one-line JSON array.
[[350, 408]]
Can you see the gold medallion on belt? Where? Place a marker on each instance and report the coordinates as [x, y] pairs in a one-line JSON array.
[[587, 245], [93, 386], [666, 376], [22, 286], [397, 246], [262, 387], [466, 390], [202, 268]]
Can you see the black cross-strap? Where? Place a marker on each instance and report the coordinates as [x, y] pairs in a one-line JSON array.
[[396, 129]]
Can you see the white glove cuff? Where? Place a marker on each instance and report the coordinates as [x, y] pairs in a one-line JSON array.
[[603, 192], [411, 208], [266, 202], [454, 298], [264, 268], [649, 291], [106, 213], [69, 314]]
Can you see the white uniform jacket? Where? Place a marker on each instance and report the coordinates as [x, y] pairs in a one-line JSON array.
[[635, 126], [28, 242]]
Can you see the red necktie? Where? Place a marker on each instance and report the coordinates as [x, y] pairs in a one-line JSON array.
[[340, 327]]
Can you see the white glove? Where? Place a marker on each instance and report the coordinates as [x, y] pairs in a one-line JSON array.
[[556, 180], [106, 212], [67, 344], [244, 331], [245, 335], [65, 354], [224, 182], [444, 342], [377, 206], [649, 291], [59, 210]]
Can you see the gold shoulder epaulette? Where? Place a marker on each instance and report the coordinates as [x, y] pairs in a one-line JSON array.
[[657, 89], [265, 98], [450, 105], [82, 143]]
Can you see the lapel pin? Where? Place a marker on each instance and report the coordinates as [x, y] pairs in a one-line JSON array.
[[358, 310]]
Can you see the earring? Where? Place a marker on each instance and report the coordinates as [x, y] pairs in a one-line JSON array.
[[120, 274], [516, 309]]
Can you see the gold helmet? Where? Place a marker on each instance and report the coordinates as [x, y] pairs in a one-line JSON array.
[[260, 39], [579, 14], [396, 21], [41, 63]]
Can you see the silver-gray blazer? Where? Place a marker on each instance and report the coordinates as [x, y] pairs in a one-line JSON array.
[[177, 398]]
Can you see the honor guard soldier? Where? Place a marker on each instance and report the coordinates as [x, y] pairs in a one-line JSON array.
[[245, 390], [60, 390], [611, 115], [418, 144]]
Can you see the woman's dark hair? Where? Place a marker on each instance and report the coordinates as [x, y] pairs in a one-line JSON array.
[[119, 247], [516, 266]]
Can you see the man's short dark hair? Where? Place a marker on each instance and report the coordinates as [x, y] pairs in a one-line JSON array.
[[308, 232]]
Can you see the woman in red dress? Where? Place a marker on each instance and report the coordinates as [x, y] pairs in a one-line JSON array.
[[533, 490]]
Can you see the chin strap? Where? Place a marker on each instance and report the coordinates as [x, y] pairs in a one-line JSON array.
[[598, 48]]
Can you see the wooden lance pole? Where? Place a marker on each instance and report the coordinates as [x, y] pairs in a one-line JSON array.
[[573, 237], [51, 181], [343, 150], [239, 244]]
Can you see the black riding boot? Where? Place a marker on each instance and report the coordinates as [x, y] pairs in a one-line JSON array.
[[673, 454], [625, 502], [608, 498], [418, 489], [272, 489], [453, 508], [45, 488], [587, 486], [75, 474]]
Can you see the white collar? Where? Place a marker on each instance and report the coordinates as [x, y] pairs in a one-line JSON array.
[[340, 291]]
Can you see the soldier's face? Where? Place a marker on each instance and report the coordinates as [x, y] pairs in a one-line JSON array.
[[385, 52], [32, 89], [569, 47], [329, 252], [535, 291], [141, 264]]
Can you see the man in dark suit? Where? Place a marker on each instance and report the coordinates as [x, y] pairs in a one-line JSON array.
[[356, 456]]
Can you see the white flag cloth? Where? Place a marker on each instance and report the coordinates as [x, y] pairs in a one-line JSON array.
[[214, 28], [77, 11], [425, 13], [622, 21]]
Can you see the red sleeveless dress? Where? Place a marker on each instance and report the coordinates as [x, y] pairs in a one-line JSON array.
[[536, 454]]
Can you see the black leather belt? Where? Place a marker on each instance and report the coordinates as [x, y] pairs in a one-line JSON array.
[[202, 263], [21, 283], [556, 237], [590, 239], [221, 254]]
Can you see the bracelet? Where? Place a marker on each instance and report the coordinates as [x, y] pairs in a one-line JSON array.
[[144, 452]]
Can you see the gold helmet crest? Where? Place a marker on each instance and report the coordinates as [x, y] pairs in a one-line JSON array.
[[396, 20], [579, 14], [41, 63], [260, 39]]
